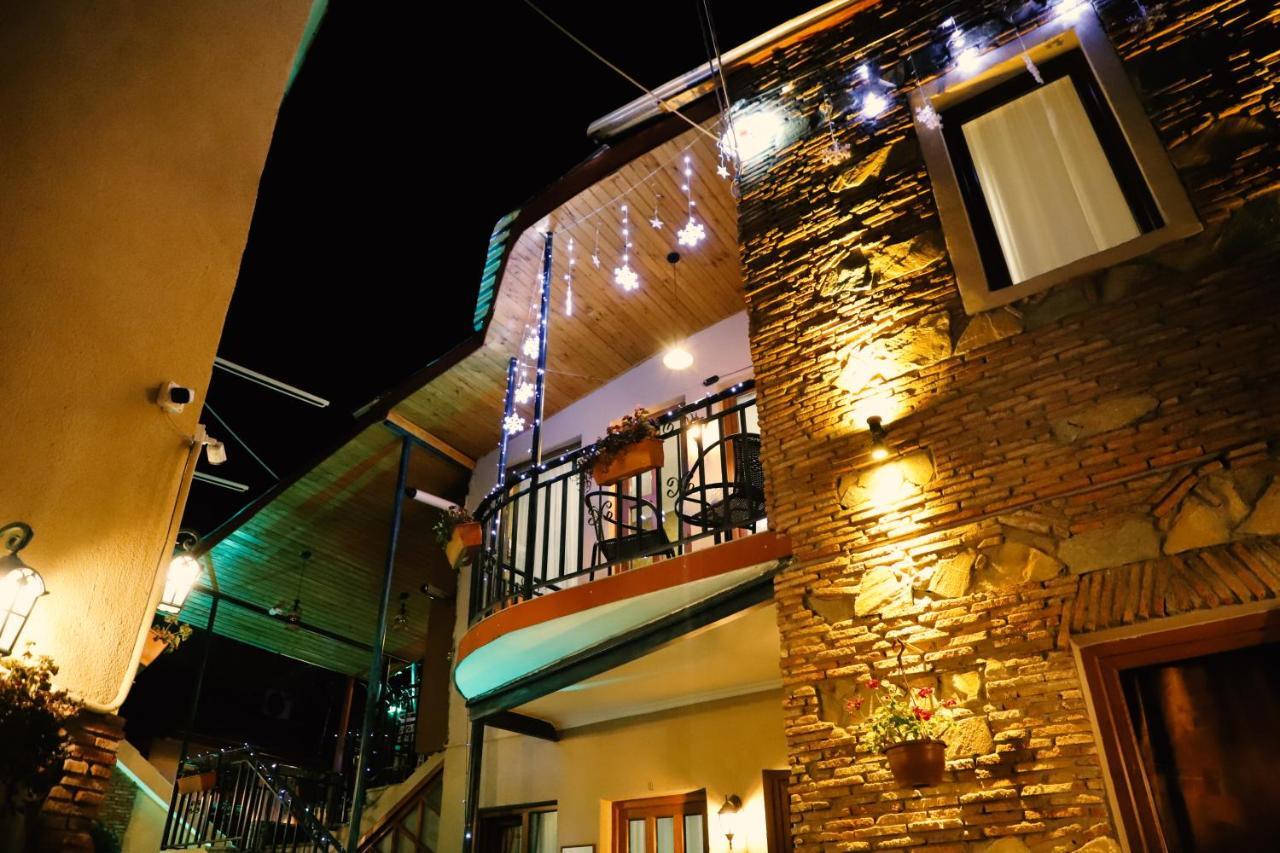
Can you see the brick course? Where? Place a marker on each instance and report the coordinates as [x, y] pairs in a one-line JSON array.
[[76, 801], [1183, 338]]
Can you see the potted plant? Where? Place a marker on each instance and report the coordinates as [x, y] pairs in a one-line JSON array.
[[458, 533], [33, 741], [629, 447], [167, 633], [907, 726]]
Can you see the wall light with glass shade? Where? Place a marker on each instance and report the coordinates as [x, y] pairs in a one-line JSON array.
[[728, 817], [184, 570], [20, 585]]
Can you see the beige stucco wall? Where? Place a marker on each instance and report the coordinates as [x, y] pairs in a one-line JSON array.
[[132, 137]]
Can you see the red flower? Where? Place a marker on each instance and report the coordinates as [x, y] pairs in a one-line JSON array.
[[922, 713], [950, 703], [873, 683], [924, 692], [852, 705]]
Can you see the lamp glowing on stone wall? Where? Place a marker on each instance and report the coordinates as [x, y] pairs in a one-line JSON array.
[[728, 817], [20, 585], [184, 570], [879, 449]]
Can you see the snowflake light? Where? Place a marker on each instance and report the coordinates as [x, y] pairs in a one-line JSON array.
[[927, 117], [524, 392], [626, 277], [531, 348], [513, 424], [692, 233]]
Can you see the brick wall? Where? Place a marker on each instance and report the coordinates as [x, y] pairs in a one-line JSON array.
[[1095, 455], [76, 801], [117, 808]]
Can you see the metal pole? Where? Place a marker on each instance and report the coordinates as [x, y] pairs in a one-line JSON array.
[[374, 693], [191, 711], [507, 409], [539, 399], [475, 762]]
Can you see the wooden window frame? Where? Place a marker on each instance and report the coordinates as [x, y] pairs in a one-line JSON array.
[[1115, 94], [652, 808], [524, 811], [1103, 659]]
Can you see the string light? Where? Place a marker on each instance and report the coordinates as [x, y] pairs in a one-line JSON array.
[[693, 231], [656, 221], [524, 392], [568, 282], [624, 275], [595, 251]]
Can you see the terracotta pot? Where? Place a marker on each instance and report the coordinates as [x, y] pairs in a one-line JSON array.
[[152, 648], [197, 783], [466, 537], [917, 763], [633, 459]]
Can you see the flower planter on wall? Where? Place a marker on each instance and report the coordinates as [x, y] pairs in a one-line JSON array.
[[152, 648], [197, 783], [631, 460], [917, 763], [466, 537]]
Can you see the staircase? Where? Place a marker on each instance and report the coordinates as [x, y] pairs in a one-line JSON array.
[[241, 800]]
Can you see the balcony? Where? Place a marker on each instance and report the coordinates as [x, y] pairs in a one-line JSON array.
[[567, 567]]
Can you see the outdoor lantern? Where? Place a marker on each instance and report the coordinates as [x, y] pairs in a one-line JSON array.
[[184, 568], [728, 817], [20, 585]]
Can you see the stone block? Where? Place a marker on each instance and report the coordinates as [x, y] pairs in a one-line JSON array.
[[1264, 520], [987, 328], [832, 608], [1012, 563], [951, 577], [969, 737], [1100, 845], [1198, 525], [885, 590], [1120, 542], [1103, 416]]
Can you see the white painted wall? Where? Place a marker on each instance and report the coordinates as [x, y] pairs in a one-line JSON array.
[[719, 349]]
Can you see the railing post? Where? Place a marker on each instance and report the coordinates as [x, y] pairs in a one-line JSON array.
[[374, 692]]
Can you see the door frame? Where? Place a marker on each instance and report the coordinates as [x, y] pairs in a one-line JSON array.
[[651, 808]]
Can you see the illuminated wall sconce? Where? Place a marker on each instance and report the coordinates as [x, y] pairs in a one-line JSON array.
[[20, 585], [183, 571], [728, 817], [879, 450]]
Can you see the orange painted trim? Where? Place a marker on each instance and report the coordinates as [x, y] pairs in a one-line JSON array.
[[727, 557]]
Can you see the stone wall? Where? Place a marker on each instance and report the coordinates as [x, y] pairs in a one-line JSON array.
[[76, 801], [1094, 455]]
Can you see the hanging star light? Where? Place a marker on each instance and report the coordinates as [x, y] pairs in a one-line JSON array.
[[524, 393], [624, 275], [721, 169], [530, 348], [513, 424], [656, 221], [595, 250], [693, 231]]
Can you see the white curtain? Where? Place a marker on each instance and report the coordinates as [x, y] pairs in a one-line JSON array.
[[1050, 189], [544, 831]]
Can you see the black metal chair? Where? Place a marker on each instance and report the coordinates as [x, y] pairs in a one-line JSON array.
[[631, 539], [728, 498]]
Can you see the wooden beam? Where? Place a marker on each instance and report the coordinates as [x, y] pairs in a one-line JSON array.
[[522, 725], [445, 449]]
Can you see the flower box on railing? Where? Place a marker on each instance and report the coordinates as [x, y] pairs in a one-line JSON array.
[[465, 538], [197, 783], [631, 460]]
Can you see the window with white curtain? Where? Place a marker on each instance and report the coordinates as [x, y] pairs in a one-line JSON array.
[[1044, 165]]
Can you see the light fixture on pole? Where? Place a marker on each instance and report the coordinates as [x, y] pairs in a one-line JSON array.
[[20, 585], [677, 356], [184, 570], [728, 817], [879, 450]]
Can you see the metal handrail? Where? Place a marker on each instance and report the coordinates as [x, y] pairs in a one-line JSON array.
[[522, 558]]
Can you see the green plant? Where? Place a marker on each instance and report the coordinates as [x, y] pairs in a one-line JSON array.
[[33, 742], [169, 629], [899, 715], [447, 521], [633, 428]]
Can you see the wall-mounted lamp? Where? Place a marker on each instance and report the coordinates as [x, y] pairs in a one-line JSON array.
[[183, 571], [879, 450], [728, 817], [20, 585]]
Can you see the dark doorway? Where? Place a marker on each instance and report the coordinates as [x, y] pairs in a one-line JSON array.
[[1209, 729]]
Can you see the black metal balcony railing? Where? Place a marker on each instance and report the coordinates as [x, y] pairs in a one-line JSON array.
[[551, 527], [241, 800]]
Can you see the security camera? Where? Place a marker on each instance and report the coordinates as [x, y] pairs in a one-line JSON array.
[[173, 397], [215, 451], [435, 593]]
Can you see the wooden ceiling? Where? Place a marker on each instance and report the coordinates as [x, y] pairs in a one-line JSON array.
[[341, 513], [610, 331]]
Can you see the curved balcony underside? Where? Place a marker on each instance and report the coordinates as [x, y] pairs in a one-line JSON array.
[[538, 635]]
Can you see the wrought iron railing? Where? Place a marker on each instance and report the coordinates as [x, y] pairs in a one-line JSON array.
[[241, 800], [551, 526]]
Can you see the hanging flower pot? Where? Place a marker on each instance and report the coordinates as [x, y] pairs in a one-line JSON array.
[[917, 763], [644, 455], [154, 646], [465, 538]]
